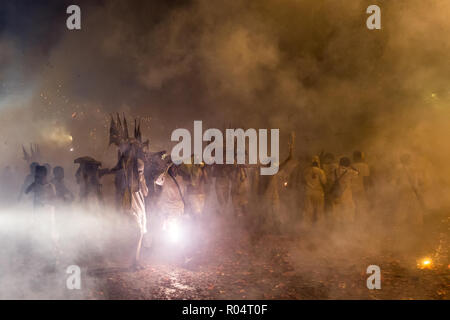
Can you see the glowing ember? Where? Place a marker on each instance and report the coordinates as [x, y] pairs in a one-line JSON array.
[[425, 263], [285, 184]]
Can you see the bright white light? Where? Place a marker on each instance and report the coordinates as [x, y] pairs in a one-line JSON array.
[[71, 149], [173, 230]]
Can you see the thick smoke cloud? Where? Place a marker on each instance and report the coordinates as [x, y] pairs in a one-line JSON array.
[[307, 66]]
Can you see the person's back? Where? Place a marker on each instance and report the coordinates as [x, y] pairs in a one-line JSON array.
[[346, 175], [60, 188], [314, 179], [87, 176], [329, 169], [343, 204]]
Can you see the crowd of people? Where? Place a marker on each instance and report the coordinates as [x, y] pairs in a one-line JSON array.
[[320, 192]]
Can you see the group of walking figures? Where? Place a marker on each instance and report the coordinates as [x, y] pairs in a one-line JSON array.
[[150, 189]]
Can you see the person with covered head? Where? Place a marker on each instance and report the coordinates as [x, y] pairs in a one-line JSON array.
[[315, 180]]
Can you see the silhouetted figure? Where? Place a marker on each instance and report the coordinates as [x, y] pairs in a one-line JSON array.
[[44, 235], [88, 177], [29, 179], [63, 194]]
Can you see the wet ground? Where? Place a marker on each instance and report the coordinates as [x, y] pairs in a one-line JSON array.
[[225, 263]]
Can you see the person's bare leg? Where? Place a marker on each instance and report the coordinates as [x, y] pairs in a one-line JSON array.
[[137, 254], [138, 249]]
